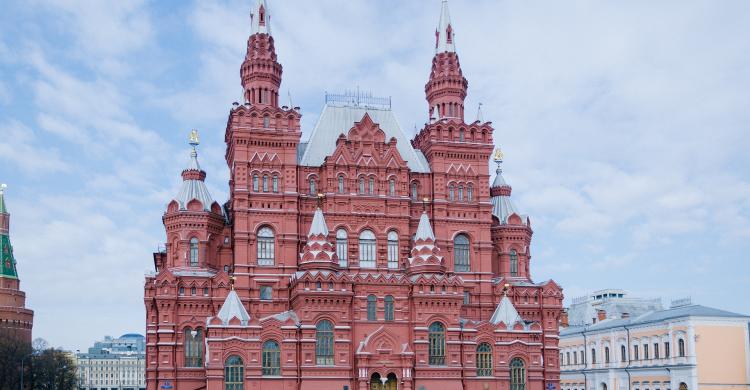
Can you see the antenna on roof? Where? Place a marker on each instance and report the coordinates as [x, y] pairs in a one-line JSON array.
[[289, 93]]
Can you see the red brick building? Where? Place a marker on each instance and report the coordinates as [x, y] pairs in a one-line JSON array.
[[14, 316], [359, 259]]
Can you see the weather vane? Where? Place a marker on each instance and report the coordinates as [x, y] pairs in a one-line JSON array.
[[194, 138]]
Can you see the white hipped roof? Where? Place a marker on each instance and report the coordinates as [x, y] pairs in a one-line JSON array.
[[505, 313], [336, 120], [232, 308]]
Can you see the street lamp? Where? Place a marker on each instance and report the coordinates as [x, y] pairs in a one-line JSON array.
[[23, 358]]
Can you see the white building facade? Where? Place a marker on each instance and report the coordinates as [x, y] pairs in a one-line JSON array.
[[113, 364], [682, 348]]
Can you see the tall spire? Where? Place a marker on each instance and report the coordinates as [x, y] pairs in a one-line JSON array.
[[444, 39], [446, 89], [260, 18], [7, 261], [260, 72]]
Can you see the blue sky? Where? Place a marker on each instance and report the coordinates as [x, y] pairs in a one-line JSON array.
[[624, 125]]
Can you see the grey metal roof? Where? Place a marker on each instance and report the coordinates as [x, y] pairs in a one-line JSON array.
[[654, 316], [442, 31], [505, 313], [503, 207], [256, 27], [232, 308], [339, 119], [194, 189]]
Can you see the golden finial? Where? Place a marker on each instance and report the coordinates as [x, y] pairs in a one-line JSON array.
[[194, 138], [506, 287], [498, 156], [321, 196], [231, 282], [424, 203]]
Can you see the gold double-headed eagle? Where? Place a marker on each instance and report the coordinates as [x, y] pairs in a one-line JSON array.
[[498, 155], [194, 137]]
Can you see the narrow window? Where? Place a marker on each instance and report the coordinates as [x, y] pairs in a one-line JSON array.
[[392, 250], [461, 135], [193, 291], [205, 291], [513, 262], [361, 185], [371, 187], [371, 308], [460, 193], [517, 374], [645, 351], [636, 354], [266, 122], [193, 347], [461, 253], [255, 183], [666, 349], [265, 183], [275, 183], [681, 347], [312, 187], [484, 360], [414, 192], [324, 343], [606, 354], [193, 252], [266, 246], [437, 344], [266, 293], [467, 297], [623, 354], [451, 193], [389, 308], [583, 358], [392, 187], [470, 192], [656, 350], [342, 247], [234, 373], [271, 358], [575, 358], [341, 184], [593, 356], [367, 249]]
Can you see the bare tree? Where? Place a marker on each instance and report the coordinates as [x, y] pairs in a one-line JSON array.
[[13, 350], [52, 369]]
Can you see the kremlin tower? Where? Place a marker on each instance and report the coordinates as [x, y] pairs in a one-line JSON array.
[[14, 316], [359, 258]]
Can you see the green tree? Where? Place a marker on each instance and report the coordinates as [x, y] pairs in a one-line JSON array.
[[52, 369]]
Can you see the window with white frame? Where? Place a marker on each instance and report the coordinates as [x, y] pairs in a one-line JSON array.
[[367, 249], [342, 247], [266, 246], [392, 250]]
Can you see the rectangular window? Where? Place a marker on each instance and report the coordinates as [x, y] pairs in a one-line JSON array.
[[467, 298], [666, 349], [275, 184], [656, 350], [645, 351], [367, 253], [342, 250], [266, 293], [393, 254], [635, 353]]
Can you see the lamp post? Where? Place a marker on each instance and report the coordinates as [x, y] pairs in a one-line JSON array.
[[22, 370]]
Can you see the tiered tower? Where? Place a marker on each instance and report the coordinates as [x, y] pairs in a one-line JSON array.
[[354, 260], [14, 316]]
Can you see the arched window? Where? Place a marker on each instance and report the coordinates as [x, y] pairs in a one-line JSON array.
[[392, 250], [275, 183], [266, 245], [372, 308], [341, 184], [371, 187], [623, 354], [266, 121], [470, 192], [312, 187], [583, 358], [324, 343], [193, 347], [517, 374], [367, 249], [451, 192], [342, 247], [461, 253], [461, 135], [361, 185], [437, 344], [389, 308], [193, 252], [234, 373], [606, 355], [513, 262], [256, 183], [414, 191], [484, 360], [683, 386], [460, 193], [392, 187], [593, 356], [271, 358], [575, 358], [265, 183], [681, 347]]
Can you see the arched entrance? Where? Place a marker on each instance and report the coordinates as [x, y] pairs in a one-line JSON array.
[[390, 382]]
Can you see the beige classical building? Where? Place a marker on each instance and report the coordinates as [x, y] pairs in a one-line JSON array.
[[684, 347]]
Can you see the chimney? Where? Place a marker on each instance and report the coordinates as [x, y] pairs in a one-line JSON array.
[[625, 315], [601, 315], [564, 318]]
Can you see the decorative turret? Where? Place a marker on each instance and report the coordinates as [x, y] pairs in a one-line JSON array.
[[502, 205], [233, 311], [194, 221], [318, 252], [425, 256], [446, 89], [505, 311], [7, 261], [261, 72]]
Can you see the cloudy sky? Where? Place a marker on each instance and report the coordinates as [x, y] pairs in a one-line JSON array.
[[625, 128]]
